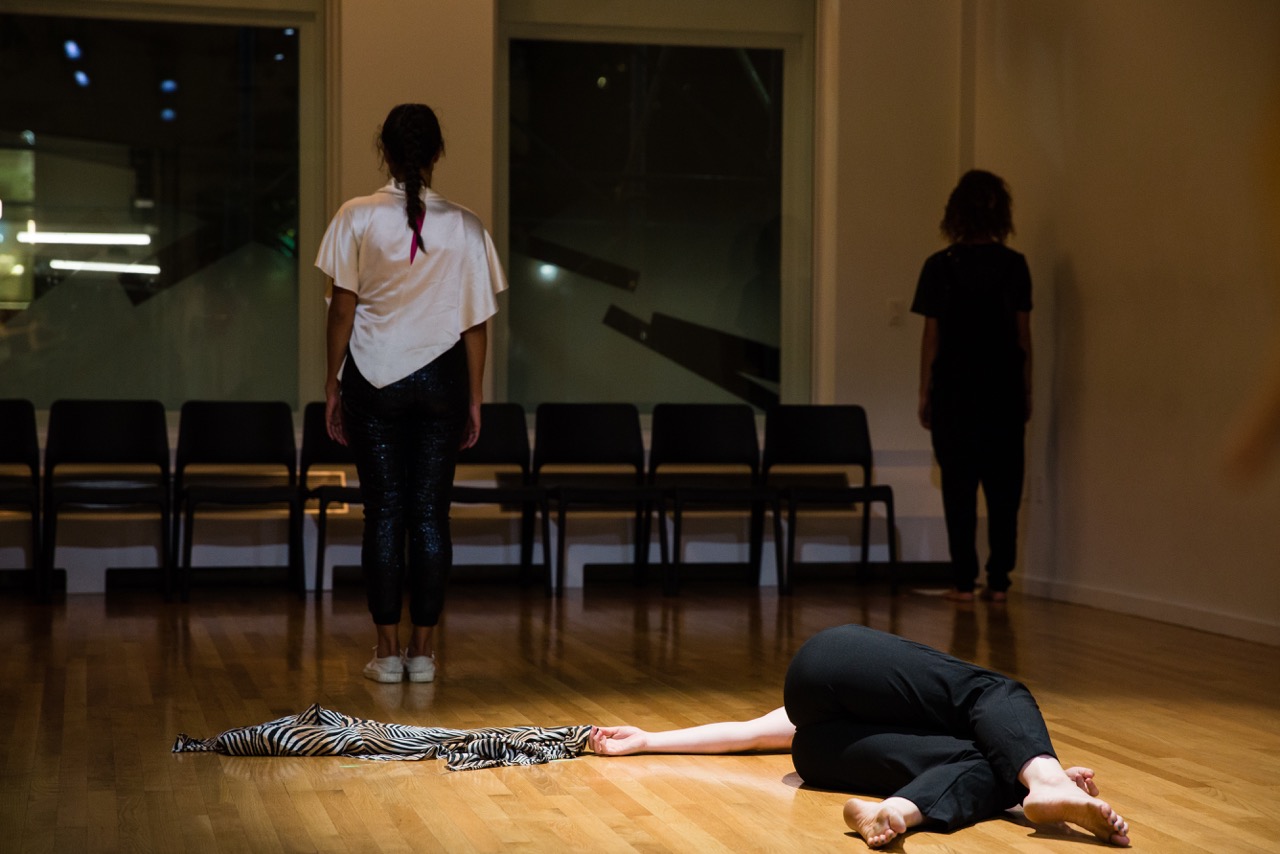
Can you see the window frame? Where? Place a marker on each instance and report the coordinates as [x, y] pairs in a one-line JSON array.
[[786, 25], [315, 169]]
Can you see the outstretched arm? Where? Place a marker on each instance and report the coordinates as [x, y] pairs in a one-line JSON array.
[[767, 732]]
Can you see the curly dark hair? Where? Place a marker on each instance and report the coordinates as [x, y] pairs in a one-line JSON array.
[[410, 143], [979, 209]]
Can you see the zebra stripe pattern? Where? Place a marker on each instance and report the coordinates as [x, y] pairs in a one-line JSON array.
[[324, 732]]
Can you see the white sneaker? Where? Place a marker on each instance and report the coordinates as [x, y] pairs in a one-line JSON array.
[[389, 669], [421, 668]]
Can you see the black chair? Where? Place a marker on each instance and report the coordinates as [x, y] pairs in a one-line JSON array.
[[105, 453], [825, 442], [591, 456], [707, 454], [503, 448], [318, 449], [20, 465], [235, 454]]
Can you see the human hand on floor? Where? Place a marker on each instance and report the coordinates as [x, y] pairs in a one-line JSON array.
[[618, 740]]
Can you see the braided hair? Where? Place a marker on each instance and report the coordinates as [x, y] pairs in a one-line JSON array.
[[980, 208], [410, 143]]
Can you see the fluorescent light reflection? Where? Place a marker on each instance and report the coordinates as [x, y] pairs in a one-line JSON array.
[[106, 267], [81, 238]]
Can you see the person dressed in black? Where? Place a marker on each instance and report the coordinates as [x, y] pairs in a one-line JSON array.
[[975, 376], [946, 743]]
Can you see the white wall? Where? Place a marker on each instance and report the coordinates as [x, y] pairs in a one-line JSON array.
[[1133, 134]]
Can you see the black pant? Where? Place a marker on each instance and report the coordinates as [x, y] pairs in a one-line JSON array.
[[405, 437], [989, 455], [880, 715]]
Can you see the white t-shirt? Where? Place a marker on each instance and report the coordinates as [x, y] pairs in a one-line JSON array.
[[412, 306]]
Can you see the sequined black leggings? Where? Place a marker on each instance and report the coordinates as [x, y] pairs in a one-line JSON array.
[[405, 437]]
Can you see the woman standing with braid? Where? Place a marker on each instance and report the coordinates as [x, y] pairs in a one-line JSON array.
[[414, 282]]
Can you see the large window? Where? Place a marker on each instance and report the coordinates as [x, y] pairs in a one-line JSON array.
[[656, 200], [148, 236], [645, 188]]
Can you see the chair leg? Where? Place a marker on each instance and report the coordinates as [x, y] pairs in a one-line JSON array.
[[545, 510], [49, 545], [560, 547], [36, 552], [791, 539], [784, 571], [322, 521], [175, 544], [672, 585], [188, 524], [755, 536], [297, 557], [866, 532], [527, 513], [166, 552], [892, 534], [642, 536]]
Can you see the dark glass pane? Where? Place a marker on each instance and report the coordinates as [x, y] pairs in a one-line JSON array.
[[184, 138], [645, 189]]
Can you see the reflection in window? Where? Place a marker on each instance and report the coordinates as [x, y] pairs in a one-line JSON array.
[[645, 192], [148, 210]]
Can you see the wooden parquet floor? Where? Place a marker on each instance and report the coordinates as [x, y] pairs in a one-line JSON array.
[[1182, 727]]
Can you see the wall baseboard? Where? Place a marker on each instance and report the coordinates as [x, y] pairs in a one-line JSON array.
[[1231, 625]]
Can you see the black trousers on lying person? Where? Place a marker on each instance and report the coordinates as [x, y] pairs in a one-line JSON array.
[[405, 437], [881, 715]]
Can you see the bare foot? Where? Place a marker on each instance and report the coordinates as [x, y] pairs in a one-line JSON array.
[[879, 823], [1070, 801], [995, 597], [959, 595], [1083, 778]]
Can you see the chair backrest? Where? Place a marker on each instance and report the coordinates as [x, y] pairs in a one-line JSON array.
[[236, 432], [106, 432], [504, 438], [19, 441], [586, 434], [318, 447], [711, 434], [817, 435]]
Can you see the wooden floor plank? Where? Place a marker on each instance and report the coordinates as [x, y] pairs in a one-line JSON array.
[[1182, 727]]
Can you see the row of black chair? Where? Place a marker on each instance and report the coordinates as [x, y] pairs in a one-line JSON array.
[[592, 456], [114, 454], [708, 455], [700, 455]]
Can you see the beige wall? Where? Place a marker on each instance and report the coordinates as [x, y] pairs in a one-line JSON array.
[[1130, 134], [438, 53]]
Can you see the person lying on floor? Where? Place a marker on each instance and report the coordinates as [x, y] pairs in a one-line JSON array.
[[945, 742]]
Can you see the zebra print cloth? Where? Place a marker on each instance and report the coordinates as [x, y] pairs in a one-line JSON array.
[[324, 732]]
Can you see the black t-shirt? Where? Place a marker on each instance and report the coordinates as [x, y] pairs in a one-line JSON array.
[[975, 292]]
